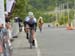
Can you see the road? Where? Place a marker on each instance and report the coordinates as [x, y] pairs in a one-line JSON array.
[[50, 42]]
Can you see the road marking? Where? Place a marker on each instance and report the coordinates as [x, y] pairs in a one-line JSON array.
[[37, 48]]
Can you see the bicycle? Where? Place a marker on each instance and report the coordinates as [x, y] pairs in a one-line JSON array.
[[30, 37]]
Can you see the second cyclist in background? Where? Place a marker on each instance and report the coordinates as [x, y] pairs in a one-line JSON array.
[[40, 23]]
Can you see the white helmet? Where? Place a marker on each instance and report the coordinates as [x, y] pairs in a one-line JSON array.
[[40, 17], [30, 14]]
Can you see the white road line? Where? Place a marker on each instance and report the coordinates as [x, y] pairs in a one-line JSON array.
[[37, 48]]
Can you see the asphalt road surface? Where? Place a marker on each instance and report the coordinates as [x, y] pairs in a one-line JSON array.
[[49, 42]]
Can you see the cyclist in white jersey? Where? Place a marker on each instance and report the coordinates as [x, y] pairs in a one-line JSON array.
[[30, 21]]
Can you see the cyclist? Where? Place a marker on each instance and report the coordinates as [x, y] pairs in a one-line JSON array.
[[40, 23], [30, 21]]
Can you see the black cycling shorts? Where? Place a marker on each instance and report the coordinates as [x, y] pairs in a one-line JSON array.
[[31, 25]]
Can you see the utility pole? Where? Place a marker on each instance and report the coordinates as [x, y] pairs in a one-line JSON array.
[[56, 11], [63, 11], [59, 9], [74, 8], [74, 12], [68, 13]]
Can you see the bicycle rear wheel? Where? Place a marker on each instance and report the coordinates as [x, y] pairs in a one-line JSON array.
[[30, 45], [30, 40]]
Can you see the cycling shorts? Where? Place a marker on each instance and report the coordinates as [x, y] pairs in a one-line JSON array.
[[31, 25]]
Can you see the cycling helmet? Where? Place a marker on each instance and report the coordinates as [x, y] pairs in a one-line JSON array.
[[30, 14], [40, 17]]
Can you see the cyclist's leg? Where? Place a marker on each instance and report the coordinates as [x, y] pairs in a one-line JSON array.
[[33, 37], [26, 30], [33, 34], [40, 27]]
